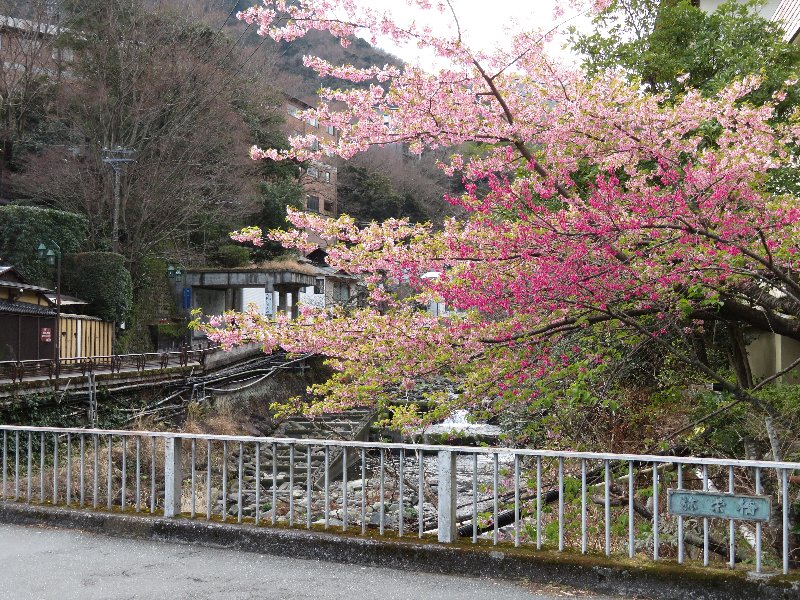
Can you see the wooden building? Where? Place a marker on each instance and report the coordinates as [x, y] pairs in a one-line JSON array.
[[29, 322]]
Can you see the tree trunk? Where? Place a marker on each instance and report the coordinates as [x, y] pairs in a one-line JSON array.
[[737, 355]]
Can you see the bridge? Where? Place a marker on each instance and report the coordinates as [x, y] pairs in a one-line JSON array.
[[185, 368], [518, 512], [81, 373]]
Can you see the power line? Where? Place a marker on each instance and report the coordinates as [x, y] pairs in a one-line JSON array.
[[230, 14]]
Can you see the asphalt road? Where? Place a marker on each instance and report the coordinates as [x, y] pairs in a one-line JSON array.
[[57, 564]]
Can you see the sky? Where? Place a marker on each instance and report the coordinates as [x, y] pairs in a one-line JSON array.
[[486, 24]]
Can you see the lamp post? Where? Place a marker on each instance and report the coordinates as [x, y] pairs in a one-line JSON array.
[[176, 275], [51, 252], [118, 158]]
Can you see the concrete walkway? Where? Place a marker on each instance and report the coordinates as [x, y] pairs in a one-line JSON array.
[[57, 564]]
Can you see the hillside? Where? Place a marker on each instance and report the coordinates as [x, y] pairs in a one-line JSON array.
[[303, 83], [287, 57]]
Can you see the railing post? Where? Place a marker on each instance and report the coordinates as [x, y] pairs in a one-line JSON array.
[[173, 476], [447, 496]]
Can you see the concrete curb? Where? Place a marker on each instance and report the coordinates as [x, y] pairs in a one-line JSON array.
[[658, 581]]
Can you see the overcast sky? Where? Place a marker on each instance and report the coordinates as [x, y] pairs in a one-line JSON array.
[[485, 24]]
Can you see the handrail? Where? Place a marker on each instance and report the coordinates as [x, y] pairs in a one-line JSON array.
[[638, 458], [18, 370], [300, 481]]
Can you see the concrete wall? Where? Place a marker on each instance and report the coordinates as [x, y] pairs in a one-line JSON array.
[[307, 296], [211, 301], [770, 353], [257, 296]]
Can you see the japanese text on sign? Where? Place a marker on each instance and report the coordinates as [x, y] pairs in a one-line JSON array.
[[717, 505]]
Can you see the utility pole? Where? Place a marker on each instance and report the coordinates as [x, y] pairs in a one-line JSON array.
[[118, 158]]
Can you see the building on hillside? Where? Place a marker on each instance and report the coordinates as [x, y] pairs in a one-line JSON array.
[[332, 287], [27, 48], [319, 177], [30, 316], [435, 308]]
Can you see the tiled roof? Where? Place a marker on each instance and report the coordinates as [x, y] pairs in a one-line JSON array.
[[23, 308], [65, 300], [25, 286], [8, 270]]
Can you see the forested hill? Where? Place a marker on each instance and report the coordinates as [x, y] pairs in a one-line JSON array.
[[304, 82], [296, 79]]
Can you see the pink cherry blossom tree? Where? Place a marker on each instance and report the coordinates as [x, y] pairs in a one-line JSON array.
[[600, 217]]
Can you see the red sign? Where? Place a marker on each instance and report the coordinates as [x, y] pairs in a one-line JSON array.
[[46, 334]]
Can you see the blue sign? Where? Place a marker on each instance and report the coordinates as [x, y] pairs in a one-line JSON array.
[[187, 298], [717, 505]]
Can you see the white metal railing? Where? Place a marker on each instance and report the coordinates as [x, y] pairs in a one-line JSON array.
[[580, 501]]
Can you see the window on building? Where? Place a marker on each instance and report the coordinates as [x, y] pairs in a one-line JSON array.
[[313, 172], [293, 110], [331, 130], [319, 285], [341, 292], [326, 176], [313, 122], [312, 203]]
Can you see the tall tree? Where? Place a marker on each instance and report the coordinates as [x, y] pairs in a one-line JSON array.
[[670, 45], [180, 95], [29, 73], [368, 195]]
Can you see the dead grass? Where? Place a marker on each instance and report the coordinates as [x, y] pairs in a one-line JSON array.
[[288, 264]]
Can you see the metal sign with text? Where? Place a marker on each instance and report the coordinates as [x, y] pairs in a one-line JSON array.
[[718, 505]]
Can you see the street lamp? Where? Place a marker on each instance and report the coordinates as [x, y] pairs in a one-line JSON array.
[[118, 159], [51, 253], [176, 274]]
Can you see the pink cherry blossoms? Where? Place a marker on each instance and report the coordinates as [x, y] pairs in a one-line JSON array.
[[591, 208]]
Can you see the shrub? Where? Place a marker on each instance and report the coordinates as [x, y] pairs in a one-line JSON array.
[[232, 256], [23, 228], [101, 279]]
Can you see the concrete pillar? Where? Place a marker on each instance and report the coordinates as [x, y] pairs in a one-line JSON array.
[[448, 491], [173, 476], [282, 297], [295, 303]]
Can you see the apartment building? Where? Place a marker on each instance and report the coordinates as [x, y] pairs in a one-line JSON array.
[[319, 177]]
